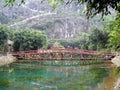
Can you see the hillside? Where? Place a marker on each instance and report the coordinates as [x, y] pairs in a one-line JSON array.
[[64, 22]]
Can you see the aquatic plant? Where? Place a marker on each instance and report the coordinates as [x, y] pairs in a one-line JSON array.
[[4, 83], [117, 71]]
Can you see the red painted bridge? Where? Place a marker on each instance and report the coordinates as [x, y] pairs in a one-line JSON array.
[[62, 54]]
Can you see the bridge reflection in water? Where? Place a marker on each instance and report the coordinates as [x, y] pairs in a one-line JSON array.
[[62, 54]]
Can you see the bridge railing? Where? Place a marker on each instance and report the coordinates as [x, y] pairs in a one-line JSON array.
[[69, 50], [60, 50]]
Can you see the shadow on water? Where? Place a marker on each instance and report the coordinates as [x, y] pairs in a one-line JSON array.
[[50, 76], [4, 83]]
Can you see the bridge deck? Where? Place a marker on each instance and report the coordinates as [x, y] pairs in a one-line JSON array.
[[53, 54]]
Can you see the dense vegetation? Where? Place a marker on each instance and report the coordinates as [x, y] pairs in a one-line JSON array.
[[62, 23], [22, 40], [29, 40], [94, 7], [114, 33], [106, 38], [61, 31], [3, 38], [96, 40]]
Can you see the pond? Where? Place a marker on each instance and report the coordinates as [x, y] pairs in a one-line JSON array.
[[41, 76]]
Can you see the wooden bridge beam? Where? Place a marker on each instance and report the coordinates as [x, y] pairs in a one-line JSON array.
[[61, 54]]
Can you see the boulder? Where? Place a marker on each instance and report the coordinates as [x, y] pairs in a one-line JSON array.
[[116, 61]]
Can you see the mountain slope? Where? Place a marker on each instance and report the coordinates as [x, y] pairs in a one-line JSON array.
[[62, 23]]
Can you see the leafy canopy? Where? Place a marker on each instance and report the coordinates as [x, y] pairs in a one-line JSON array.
[[29, 40], [5, 34], [98, 39], [114, 35], [93, 6]]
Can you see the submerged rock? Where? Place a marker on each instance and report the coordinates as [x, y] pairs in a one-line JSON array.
[[116, 61], [5, 60]]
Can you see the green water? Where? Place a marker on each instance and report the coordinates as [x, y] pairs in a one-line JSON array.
[[41, 76]]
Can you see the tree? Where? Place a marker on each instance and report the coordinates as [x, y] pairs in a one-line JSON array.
[[114, 33], [80, 42], [29, 40], [98, 39], [4, 35], [84, 41], [93, 6]]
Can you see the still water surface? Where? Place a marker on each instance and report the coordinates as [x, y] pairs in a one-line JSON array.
[[38, 76]]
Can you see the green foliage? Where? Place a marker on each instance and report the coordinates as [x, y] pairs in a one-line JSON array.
[[54, 3], [84, 41], [94, 7], [57, 45], [4, 36], [98, 73], [117, 71], [114, 33], [4, 82], [23, 39], [80, 42], [98, 39], [11, 2], [115, 39], [29, 40]]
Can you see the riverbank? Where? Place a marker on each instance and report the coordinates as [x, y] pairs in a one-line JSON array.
[[5, 60], [117, 85], [116, 61]]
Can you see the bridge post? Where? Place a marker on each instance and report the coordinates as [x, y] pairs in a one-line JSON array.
[[81, 57], [27, 56], [61, 56], [71, 56]]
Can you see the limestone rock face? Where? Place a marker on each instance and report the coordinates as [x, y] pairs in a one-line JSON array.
[[116, 61]]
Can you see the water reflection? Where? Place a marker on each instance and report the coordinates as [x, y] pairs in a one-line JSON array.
[[36, 76]]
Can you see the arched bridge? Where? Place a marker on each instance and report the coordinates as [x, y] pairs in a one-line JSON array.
[[62, 54]]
